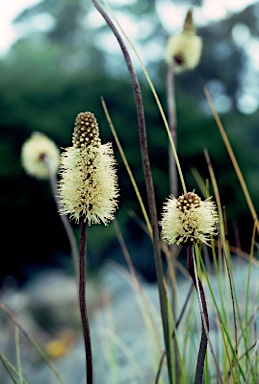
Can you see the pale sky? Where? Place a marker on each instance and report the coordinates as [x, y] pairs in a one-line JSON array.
[[211, 10], [172, 14], [9, 9]]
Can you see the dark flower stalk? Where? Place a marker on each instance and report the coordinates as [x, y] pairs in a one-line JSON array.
[[82, 303], [188, 220], [88, 192], [204, 339]]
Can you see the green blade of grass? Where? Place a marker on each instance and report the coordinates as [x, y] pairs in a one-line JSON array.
[[219, 315], [10, 368], [144, 304], [148, 182], [228, 262], [155, 96], [251, 362], [33, 342], [18, 354], [126, 351], [233, 158], [125, 161], [196, 258]]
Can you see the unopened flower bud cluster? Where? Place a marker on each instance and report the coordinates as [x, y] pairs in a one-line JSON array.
[[86, 131]]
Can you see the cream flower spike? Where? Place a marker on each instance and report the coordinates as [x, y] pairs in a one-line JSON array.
[[34, 152], [88, 184], [188, 220], [184, 50]]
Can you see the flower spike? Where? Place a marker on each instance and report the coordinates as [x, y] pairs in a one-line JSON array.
[[34, 152], [188, 220], [88, 184], [184, 50]]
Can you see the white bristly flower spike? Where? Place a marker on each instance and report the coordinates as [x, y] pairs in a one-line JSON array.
[[184, 50], [88, 185], [188, 220], [34, 152]]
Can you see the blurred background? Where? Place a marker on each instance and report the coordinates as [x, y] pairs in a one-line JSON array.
[[58, 58]]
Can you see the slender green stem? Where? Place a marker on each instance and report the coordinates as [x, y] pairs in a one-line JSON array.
[[204, 339], [18, 353], [9, 368], [248, 283], [221, 320], [32, 341], [225, 250], [251, 361], [233, 158], [173, 182], [145, 307], [172, 126], [174, 331], [82, 302], [149, 188], [156, 99], [133, 182], [234, 313]]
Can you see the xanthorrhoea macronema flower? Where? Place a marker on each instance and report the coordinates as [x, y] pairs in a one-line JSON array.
[[35, 151], [184, 50], [88, 185], [188, 220]]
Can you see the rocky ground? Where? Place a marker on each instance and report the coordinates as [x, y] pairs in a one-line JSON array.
[[126, 336]]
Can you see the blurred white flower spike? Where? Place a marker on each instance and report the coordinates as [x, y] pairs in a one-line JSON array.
[[183, 51], [88, 185], [36, 153]]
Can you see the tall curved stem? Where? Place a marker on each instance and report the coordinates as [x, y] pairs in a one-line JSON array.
[[149, 188]]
